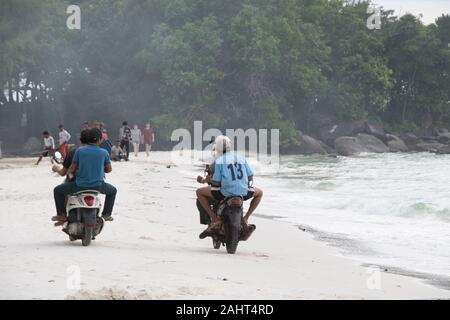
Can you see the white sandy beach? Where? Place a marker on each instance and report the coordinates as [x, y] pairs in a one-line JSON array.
[[152, 250]]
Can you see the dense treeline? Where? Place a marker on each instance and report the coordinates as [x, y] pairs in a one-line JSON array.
[[285, 64]]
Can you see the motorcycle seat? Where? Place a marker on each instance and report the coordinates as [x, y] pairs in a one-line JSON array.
[[94, 192]]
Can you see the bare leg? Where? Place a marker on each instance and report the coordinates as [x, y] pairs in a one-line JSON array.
[[257, 196], [39, 160], [203, 195], [147, 150]]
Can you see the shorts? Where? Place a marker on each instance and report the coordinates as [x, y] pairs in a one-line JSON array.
[[218, 196], [147, 141]]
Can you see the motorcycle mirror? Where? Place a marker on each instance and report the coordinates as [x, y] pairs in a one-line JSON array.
[[58, 156]]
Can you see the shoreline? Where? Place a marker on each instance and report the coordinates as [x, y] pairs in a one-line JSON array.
[[349, 252], [152, 250]]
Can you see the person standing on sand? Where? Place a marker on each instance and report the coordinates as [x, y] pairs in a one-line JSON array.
[[136, 138], [64, 138], [125, 138], [149, 138], [49, 147]]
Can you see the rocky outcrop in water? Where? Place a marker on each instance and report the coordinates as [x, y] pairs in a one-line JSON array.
[[354, 137]]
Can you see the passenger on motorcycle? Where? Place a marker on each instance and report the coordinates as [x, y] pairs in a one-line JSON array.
[[232, 177], [62, 170], [90, 163]]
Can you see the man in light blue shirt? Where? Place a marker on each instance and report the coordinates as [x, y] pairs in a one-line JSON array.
[[232, 177]]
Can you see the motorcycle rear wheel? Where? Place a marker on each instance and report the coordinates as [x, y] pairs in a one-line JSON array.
[[87, 236], [233, 239]]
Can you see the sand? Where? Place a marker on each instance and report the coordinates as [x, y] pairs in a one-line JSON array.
[[152, 249]]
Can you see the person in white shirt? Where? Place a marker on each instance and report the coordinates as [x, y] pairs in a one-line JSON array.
[[136, 137], [49, 147], [64, 138]]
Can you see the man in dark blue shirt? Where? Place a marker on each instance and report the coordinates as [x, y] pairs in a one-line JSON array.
[[90, 163]]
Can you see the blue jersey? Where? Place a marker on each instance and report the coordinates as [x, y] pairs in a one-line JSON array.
[[232, 172], [91, 161]]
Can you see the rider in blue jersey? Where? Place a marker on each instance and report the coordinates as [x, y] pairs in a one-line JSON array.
[[232, 177]]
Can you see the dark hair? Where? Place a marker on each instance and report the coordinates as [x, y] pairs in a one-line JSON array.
[[124, 123], [95, 135], [45, 133], [85, 136], [61, 126]]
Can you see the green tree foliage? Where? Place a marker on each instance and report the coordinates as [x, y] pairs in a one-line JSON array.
[[236, 63]]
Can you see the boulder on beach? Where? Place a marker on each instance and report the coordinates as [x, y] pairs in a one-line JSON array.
[[372, 143], [307, 146], [396, 144], [330, 133], [376, 130], [430, 146], [347, 146]]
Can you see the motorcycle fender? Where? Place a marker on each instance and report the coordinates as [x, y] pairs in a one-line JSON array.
[[235, 217], [89, 217]]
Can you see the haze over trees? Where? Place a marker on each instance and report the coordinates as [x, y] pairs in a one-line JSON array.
[[232, 64]]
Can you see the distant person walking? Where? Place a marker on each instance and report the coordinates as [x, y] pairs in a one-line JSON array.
[[149, 138], [49, 147], [136, 137], [64, 138], [125, 139]]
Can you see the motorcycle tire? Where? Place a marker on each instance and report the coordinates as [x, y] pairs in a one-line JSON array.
[[87, 236], [233, 239], [216, 244]]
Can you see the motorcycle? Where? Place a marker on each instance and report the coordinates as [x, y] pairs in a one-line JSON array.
[[83, 216], [231, 212]]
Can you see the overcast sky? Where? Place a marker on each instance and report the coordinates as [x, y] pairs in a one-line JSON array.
[[431, 9]]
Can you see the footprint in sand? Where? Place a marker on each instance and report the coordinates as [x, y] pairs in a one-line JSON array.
[[146, 238]]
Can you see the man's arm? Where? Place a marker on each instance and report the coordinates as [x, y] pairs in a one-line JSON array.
[[61, 171], [108, 168], [73, 168]]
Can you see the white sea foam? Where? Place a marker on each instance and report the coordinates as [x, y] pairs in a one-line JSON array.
[[396, 206]]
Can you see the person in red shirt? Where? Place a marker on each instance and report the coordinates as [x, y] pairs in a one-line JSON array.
[[148, 137]]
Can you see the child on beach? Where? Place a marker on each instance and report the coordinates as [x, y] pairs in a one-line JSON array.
[[49, 147]]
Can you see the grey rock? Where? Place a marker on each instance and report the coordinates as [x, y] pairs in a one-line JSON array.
[[396, 144], [430, 146], [372, 143], [348, 146], [330, 133], [308, 146]]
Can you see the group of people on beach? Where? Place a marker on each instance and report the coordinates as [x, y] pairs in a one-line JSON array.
[[118, 151], [85, 167]]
